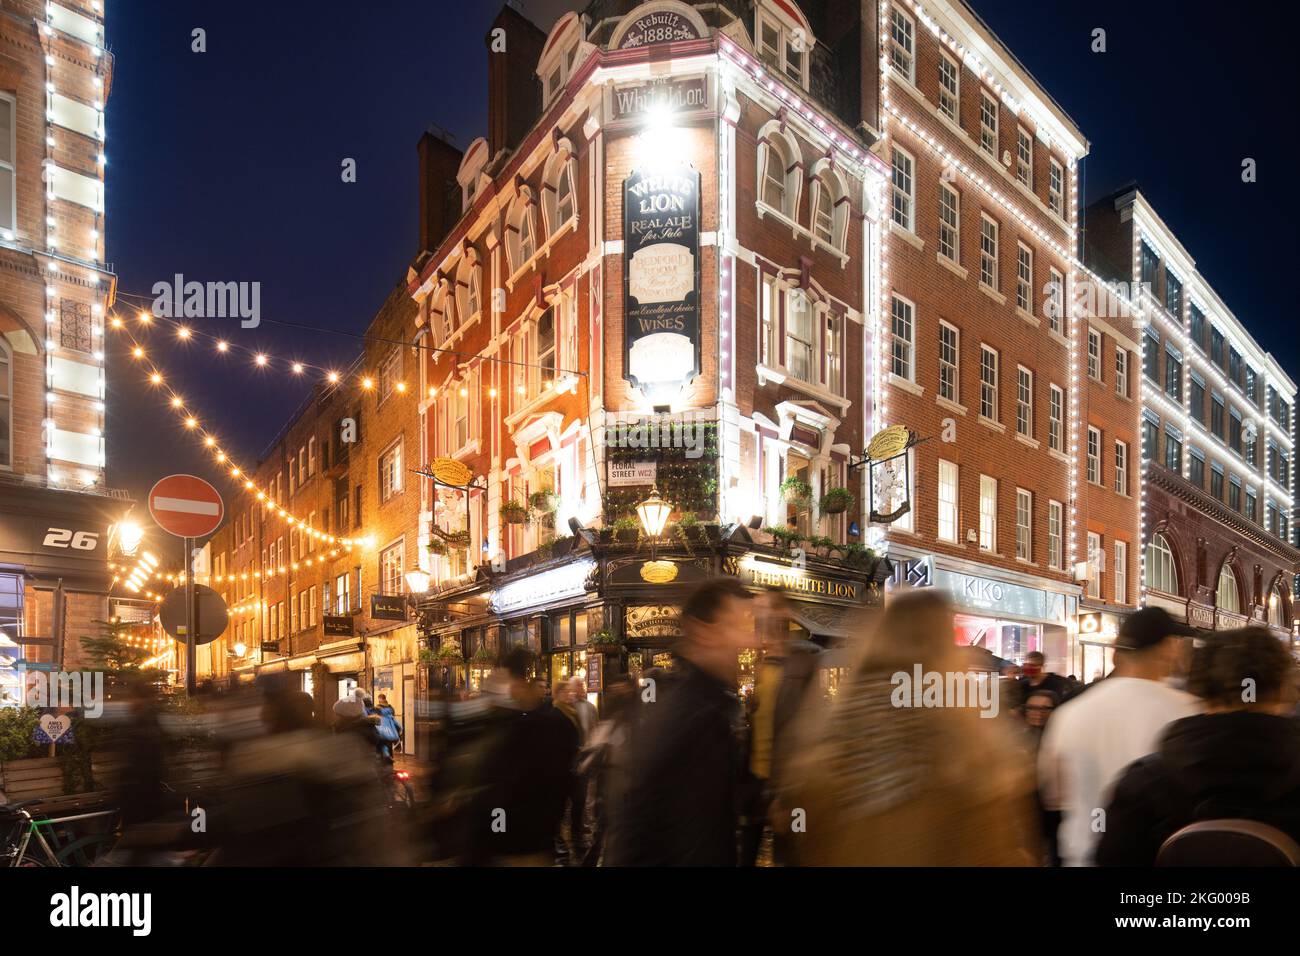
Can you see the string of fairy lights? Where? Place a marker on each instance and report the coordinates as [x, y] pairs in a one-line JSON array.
[[144, 320], [190, 421]]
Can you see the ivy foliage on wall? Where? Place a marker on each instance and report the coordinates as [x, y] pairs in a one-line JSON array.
[[686, 471]]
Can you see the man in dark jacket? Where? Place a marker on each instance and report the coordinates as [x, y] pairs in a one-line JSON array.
[[1238, 760], [528, 774], [678, 805]]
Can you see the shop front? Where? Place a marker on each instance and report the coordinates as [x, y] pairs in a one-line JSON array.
[[54, 578], [613, 608], [1003, 613]]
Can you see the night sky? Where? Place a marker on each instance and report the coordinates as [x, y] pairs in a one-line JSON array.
[[225, 166]]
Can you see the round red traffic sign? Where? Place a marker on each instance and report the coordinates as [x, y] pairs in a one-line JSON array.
[[186, 506]]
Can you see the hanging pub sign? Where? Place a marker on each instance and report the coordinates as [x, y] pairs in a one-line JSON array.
[[661, 280], [889, 481], [387, 607], [338, 625]]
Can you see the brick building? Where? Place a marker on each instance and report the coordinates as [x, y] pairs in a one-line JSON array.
[[56, 514], [1217, 433], [566, 322], [975, 351], [332, 524]]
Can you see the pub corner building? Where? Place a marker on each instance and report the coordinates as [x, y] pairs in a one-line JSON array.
[[668, 322]]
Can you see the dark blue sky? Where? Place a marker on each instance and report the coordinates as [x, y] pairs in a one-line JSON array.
[[225, 165]]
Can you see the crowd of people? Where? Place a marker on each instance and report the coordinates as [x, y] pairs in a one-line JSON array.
[[1192, 742]]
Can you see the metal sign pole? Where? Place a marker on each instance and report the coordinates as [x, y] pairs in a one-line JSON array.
[[191, 619]]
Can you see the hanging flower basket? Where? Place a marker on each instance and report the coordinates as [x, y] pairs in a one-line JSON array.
[[543, 500], [796, 489], [483, 659], [836, 501], [512, 512], [437, 545], [450, 655]]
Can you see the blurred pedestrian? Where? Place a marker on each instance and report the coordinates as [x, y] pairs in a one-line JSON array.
[[569, 698], [603, 760], [527, 774], [678, 803], [388, 728], [886, 780], [1038, 709], [1091, 739], [300, 796], [140, 791], [352, 715], [785, 672], [1038, 677], [1239, 760]]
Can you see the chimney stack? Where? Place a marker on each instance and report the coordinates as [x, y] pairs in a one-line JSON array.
[[514, 92], [440, 198]]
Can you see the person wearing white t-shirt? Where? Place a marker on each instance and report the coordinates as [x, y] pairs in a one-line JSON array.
[[1091, 739]]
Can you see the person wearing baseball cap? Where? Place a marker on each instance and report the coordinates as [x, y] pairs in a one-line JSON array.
[[1091, 739]]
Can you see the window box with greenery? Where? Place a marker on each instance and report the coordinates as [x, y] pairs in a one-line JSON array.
[[784, 537], [686, 468], [623, 531], [836, 501], [447, 656], [795, 489], [512, 512], [543, 501], [605, 642]]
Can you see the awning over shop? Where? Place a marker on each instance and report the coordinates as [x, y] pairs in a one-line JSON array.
[[830, 620]]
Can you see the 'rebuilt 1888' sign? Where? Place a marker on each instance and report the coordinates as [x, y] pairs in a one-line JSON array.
[[661, 274]]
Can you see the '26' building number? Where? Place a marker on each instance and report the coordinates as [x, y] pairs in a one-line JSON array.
[[66, 538]]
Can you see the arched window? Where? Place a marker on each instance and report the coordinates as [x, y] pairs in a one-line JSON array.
[[559, 203], [521, 240], [442, 312], [774, 161], [6, 405], [823, 218], [1277, 606], [829, 207], [1161, 572], [780, 169], [1226, 597], [468, 288]]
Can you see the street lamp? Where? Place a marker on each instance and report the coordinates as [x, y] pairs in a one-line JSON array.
[[653, 512], [417, 581], [130, 535]]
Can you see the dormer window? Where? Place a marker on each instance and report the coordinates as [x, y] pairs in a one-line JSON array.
[[559, 56], [783, 39], [471, 169]]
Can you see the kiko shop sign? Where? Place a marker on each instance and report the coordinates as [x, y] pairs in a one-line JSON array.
[[661, 281]]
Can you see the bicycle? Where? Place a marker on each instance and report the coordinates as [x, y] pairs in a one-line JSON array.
[[28, 841]]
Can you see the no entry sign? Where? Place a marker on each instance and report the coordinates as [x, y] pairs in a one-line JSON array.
[[186, 506]]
